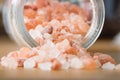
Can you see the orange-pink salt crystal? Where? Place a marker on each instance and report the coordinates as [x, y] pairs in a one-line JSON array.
[[56, 65], [88, 62], [104, 58], [30, 13], [62, 46]]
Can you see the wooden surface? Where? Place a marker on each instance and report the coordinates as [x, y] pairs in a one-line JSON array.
[[7, 45]]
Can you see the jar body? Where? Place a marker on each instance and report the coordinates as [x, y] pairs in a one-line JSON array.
[[14, 21]]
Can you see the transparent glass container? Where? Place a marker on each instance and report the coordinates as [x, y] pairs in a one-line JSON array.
[[13, 18]]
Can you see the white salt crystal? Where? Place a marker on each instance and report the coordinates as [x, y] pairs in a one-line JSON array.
[[29, 64], [41, 12], [35, 33], [65, 64], [9, 62], [47, 36], [108, 66], [53, 52], [76, 63], [50, 44], [55, 24], [39, 28], [26, 20], [42, 52], [62, 46], [46, 66]]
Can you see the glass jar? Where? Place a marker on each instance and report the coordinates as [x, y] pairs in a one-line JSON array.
[[14, 21]]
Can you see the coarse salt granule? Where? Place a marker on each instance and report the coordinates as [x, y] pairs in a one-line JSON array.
[[39, 28], [98, 64], [26, 19], [76, 63], [9, 62], [50, 49], [65, 64], [63, 45], [35, 33], [46, 66], [55, 23], [47, 36], [108, 66], [29, 64]]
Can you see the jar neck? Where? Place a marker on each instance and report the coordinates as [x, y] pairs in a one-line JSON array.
[[98, 18]]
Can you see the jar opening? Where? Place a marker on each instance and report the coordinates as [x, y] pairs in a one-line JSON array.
[[79, 21]]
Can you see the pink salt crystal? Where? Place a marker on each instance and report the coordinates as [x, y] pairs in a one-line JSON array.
[[97, 61], [98, 64], [83, 51], [117, 67], [22, 55], [40, 41], [76, 63], [108, 66], [68, 24], [46, 66], [104, 58], [55, 24], [48, 45], [47, 29], [20, 62], [24, 50], [13, 54], [32, 53], [29, 64], [82, 25], [88, 62], [51, 49], [9, 62], [63, 46], [56, 65], [35, 58], [25, 53]]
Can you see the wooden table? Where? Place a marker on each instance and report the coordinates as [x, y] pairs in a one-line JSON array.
[[106, 46]]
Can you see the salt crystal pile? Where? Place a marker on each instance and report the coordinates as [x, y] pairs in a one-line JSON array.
[[58, 28]]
